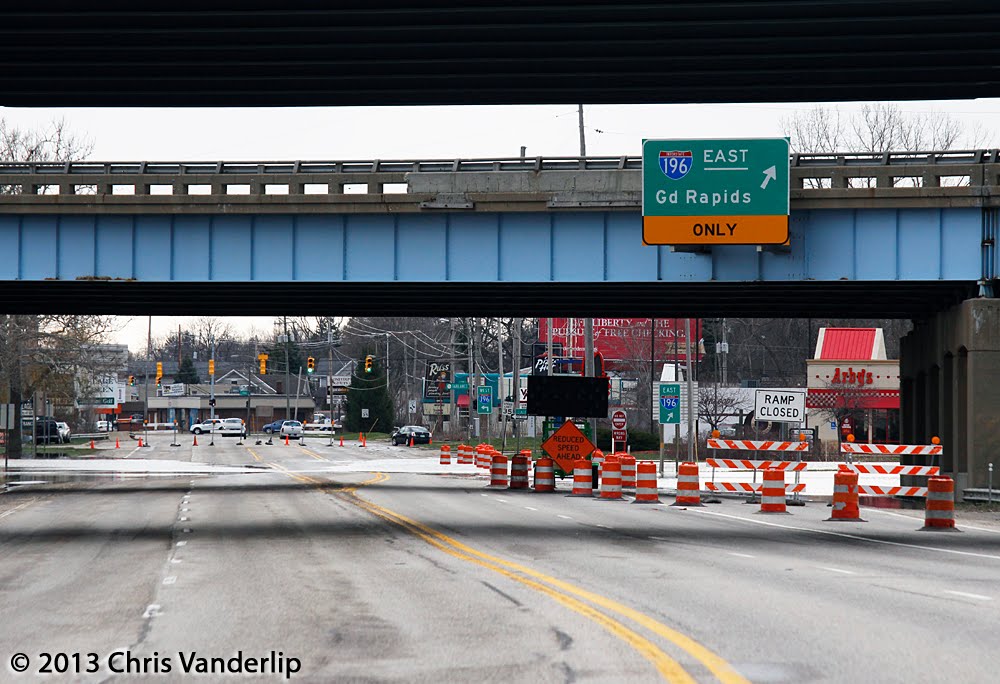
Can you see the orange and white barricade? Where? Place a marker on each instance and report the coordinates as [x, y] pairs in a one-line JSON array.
[[772, 499], [628, 471], [765, 445], [498, 471], [582, 478], [545, 477], [445, 454], [688, 489], [851, 448], [464, 454], [940, 513], [519, 471], [845, 497], [611, 480], [483, 453], [646, 490]]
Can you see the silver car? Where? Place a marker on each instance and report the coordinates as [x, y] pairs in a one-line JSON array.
[[291, 428]]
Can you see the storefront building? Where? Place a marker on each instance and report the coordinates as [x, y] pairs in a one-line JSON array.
[[853, 388]]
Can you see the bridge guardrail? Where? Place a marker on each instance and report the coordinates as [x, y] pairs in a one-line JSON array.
[[959, 177]]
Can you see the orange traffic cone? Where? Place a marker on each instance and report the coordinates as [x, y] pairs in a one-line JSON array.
[[117, 445], [286, 440], [364, 441], [140, 442], [92, 444], [195, 441], [341, 440], [411, 440]]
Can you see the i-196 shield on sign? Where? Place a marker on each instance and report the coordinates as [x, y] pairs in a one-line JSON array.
[[675, 164]]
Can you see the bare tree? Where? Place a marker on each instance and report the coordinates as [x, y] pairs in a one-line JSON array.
[[716, 404], [56, 142]]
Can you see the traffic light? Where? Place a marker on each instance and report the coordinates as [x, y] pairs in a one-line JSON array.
[[211, 401], [310, 365], [131, 381], [211, 366], [159, 373], [369, 360], [263, 363]]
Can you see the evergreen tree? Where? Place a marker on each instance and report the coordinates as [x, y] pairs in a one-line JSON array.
[[368, 391], [187, 373]]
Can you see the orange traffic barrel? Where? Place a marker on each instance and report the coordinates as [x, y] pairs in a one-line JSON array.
[[464, 454], [845, 497], [445, 454], [611, 480], [688, 488], [596, 464], [582, 478], [519, 472], [498, 471], [482, 456], [940, 513], [645, 483], [772, 492], [545, 477], [628, 471]]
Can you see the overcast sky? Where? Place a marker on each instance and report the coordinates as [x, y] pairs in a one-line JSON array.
[[345, 133]]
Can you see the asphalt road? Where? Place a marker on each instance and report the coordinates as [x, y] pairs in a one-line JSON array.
[[393, 576]]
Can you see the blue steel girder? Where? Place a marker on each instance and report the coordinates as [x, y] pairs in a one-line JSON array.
[[919, 244]]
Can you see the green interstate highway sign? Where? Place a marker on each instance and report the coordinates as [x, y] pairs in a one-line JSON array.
[[715, 192]]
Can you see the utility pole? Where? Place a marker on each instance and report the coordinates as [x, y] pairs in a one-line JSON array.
[[288, 379], [149, 360], [471, 377], [690, 390], [501, 421], [211, 396], [516, 380], [329, 380], [583, 137], [452, 412], [588, 361]]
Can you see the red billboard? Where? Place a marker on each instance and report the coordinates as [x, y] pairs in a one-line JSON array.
[[623, 339]]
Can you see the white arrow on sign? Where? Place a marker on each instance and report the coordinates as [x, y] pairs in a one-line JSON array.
[[770, 174]]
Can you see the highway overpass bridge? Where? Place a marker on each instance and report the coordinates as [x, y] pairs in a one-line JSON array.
[[909, 235]]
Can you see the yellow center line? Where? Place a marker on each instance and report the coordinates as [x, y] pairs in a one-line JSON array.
[[254, 454], [668, 667], [717, 665], [316, 456]]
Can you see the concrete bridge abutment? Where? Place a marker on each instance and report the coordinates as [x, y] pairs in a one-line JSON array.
[[950, 387]]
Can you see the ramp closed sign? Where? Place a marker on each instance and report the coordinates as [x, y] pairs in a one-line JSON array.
[[780, 406]]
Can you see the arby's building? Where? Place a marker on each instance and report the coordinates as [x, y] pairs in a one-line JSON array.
[[853, 387]]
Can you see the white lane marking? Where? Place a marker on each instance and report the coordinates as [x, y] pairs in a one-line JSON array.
[[564, 517], [604, 526], [17, 508], [176, 560], [181, 543], [185, 510], [501, 500], [920, 518], [740, 555], [659, 538], [979, 597], [529, 508], [836, 534], [183, 519], [843, 572], [152, 610], [169, 580], [484, 495]]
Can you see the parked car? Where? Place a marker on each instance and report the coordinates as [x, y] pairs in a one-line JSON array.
[[233, 426], [210, 425], [420, 435], [273, 427], [104, 426], [64, 432], [130, 421], [291, 428], [46, 430]]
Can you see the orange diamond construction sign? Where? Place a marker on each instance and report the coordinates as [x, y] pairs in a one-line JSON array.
[[567, 444]]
